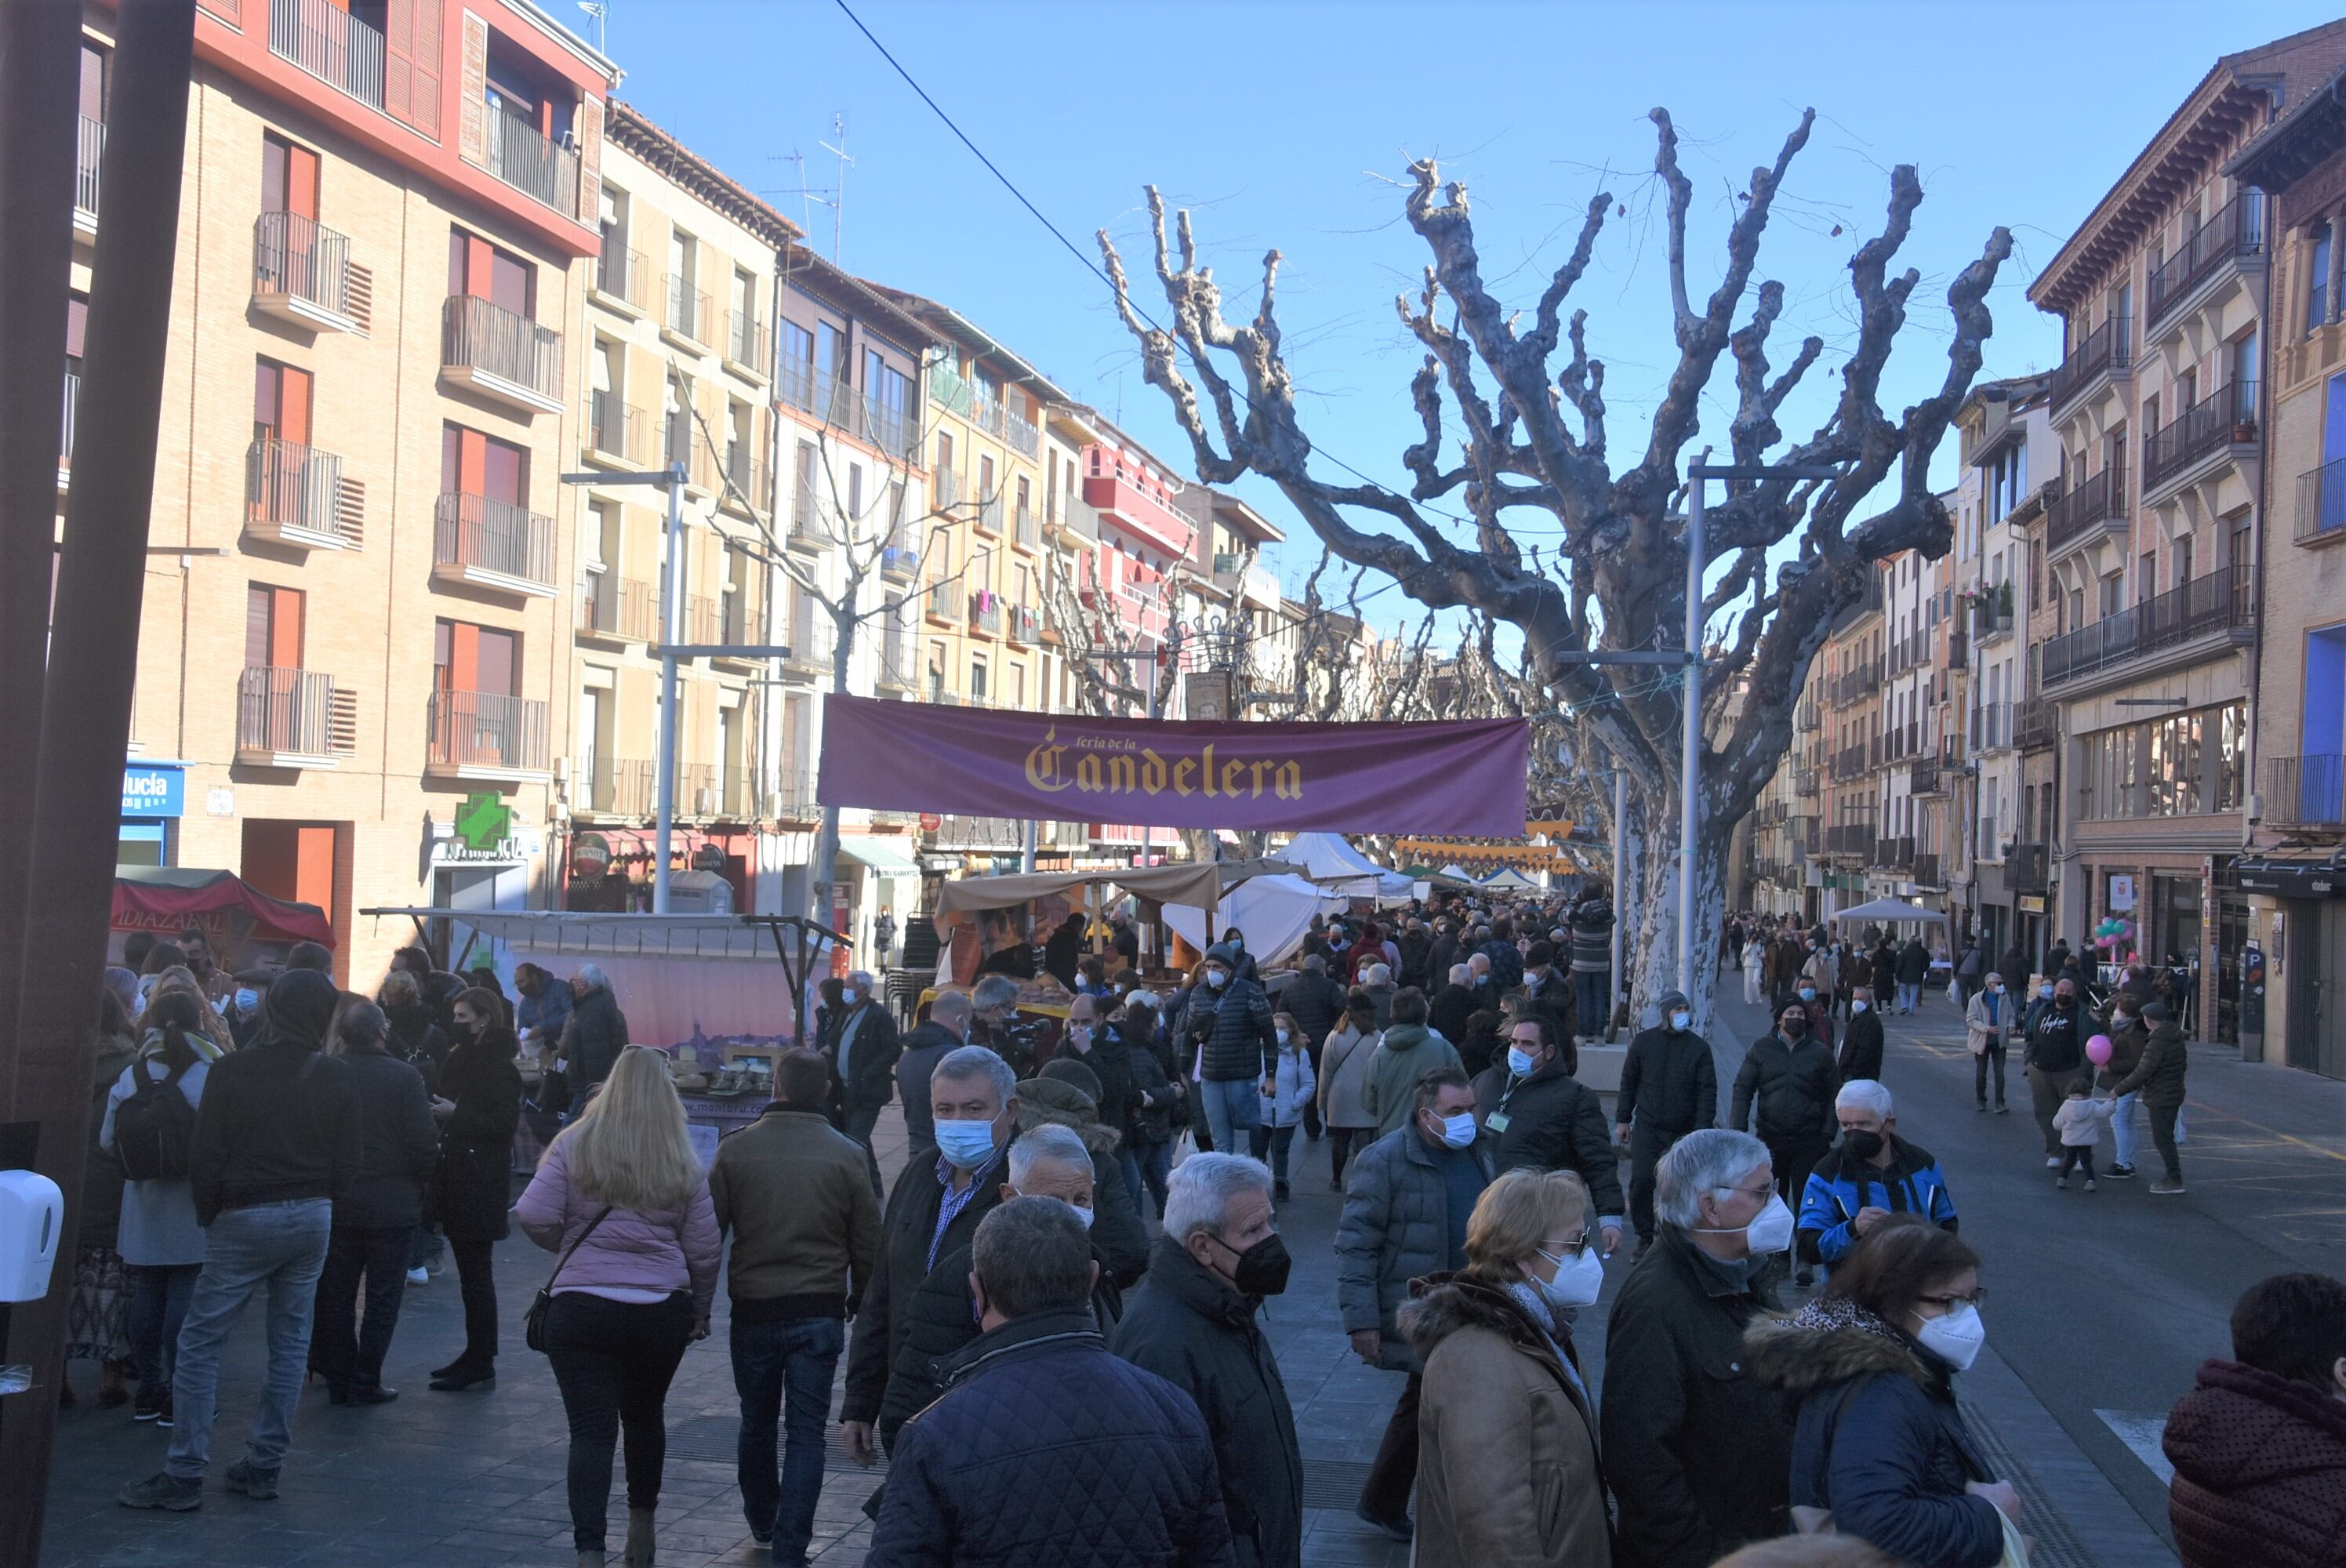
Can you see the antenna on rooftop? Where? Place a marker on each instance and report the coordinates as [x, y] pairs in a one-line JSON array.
[[838, 197], [600, 10]]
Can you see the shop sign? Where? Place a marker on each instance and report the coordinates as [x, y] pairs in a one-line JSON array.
[[2031, 904], [484, 822], [151, 792], [708, 857], [2121, 891], [590, 855], [219, 802]]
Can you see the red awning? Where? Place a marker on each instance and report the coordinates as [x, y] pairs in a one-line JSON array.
[[169, 899]]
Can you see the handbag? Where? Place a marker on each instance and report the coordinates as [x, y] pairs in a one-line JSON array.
[[533, 1333]]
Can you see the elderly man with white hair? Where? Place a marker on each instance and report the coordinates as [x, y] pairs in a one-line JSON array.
[[592, 1037], [859, 1040], [1699, 1453], [1193, 1324], [1870, 1174]]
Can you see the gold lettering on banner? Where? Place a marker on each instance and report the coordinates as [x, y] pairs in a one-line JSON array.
[[1256, 768], [1042, 763], [1122, 774], [1206, 772], [1107, 765], [1289, 782], [1087, 774], [1231, 771], [1181, 771], [1152, 772]]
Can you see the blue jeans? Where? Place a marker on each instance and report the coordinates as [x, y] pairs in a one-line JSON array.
[[1274, 1141], [2122, 1128], [159, 1294], [1149, 1164], [279, 1247], [1230, 1110], [783, 1369], [1595, 990]]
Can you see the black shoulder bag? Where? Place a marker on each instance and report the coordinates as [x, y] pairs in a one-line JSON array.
[[533, 1331]]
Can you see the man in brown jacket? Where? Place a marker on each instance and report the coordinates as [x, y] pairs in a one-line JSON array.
[[796, 1196]]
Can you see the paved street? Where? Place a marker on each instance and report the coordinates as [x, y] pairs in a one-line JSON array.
[[2100, 1308]]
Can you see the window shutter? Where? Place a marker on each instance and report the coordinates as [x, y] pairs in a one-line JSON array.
[[411, 63], [473, 91], [590, 160]]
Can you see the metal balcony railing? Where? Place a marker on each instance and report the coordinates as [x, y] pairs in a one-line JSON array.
[[1026, 626], [616, 428], [2108, 347], [2232, 233], [325, 40], [746, 341], [2307, 792], [985, 613], [493, 535], [610, 606], [2096, 501], [285, 712], [1809, 718], [1850, 838], [618, 787], [2206, 427], [1992, 726], [687, 310], [745, 471], [831, 399], [945, 602], [89, 157], [2036, 724], [898, 672], [2321, 503], [1893, 854], [898, 564], [1026, 528], [486, 730], [989, 513], [1926, 869], [479, 335], [291, 485], [298, 256], [2024, 866], [1022, 434], [1804, 781], [1922, 777], [73, 406], [530, 163], [2214, 604], [624, 274]]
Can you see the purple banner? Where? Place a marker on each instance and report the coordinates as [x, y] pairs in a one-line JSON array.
[[1464, 780]]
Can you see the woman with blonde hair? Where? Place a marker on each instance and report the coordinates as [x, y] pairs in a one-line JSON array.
[[1507, 1468], [623, 1199]]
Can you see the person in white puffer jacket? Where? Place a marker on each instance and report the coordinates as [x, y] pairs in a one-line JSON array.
[[1280, 1110]]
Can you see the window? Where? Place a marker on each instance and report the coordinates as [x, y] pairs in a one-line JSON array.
[[613, 220], [289, 177], [473, 463], [2182, 558], [466, 658], [2244, 376], [2146, 582], [96, 79], [855, 492], [272, 626], [491, 272], [977, 681], [2317, 282], [280, 402], [797, 345]]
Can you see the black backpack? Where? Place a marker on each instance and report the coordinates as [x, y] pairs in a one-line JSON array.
[[155, 1129]]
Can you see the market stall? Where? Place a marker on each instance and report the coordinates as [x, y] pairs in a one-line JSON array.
[[245, 926]]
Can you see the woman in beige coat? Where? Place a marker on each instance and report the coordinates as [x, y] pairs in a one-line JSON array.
[[1343, 1069], [1507, 1473]]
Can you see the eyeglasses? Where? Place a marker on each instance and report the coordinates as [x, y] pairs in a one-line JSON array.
[[1569, 1248], [1977, 1298], [1760, 1195]]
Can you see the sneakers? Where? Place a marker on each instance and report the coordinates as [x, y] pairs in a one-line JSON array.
[[154, 1399], [164, 1490], [419, 1276], [1982, 1107], [163, 1416], [249, 1479], [2168, 1186], [2003, 1110], [2052, 1162], [2090, 1187], [2061, 1181], [2119, 1173], [1397, 1529]]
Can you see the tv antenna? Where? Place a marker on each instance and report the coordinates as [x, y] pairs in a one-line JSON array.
[[807, 195], [839, 192], [600, 10]]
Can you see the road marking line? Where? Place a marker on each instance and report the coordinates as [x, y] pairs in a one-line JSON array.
[[2142, 1434]]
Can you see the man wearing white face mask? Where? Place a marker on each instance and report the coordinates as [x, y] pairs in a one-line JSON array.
[[1507, 1469], [1539, 1116], [1669, 1087], [1698, 1452], [1407, 1202], [1881, 1444]]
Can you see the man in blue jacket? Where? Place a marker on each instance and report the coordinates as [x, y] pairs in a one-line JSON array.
[[1870, 1174]]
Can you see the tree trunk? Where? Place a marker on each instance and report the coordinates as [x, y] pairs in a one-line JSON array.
[[1652, 929], [826, 846]]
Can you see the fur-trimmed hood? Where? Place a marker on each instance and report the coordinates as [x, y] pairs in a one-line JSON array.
[[1440, 1305], [1830, 1342], [1054, 1101]]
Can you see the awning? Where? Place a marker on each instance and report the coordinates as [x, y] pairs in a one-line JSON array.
[[163, 898], [2305, 876], [884, 856], [1197, 883]]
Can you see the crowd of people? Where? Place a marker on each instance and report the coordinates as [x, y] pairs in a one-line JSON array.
[[1053, 1385]]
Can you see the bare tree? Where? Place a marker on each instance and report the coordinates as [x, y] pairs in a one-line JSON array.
[[1532, 439]]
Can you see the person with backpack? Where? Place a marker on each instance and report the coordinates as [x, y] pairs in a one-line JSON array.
[[149, 1127]]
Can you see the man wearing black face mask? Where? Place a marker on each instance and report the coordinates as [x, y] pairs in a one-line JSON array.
[[1873, 1175], [1784, 1093], [2056, 1055], [1193, 1324]]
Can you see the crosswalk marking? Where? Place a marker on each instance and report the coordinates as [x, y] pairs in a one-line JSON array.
[[2142, 1433]]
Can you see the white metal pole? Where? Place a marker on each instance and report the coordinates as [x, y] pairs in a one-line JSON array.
[[1026, 850], [1148, 674], [671, 633], [1690, 748], [1620, 890]]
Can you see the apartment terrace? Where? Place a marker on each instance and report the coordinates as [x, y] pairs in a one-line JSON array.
[[2211, 611]]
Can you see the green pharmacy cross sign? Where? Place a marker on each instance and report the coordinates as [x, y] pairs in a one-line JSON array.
[[484, 821]]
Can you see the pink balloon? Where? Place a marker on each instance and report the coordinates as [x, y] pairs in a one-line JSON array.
[[2097, 1050]]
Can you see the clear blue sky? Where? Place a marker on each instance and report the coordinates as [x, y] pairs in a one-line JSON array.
[[1285, 124]]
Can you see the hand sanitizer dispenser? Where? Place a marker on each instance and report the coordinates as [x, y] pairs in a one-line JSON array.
[[32, 1216]]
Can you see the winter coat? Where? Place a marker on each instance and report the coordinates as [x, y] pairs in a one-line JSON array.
[[907, 1226], [1189, 1328], [1046, 1451], [869, 1082], [2057, 1040], [1840, 1185], [2079, 1122], [472, 1189], [1150, 1124], [1417, 947], [1884, 969], [1670, 1076], [1395, 1226], [1343, 1073], [1793, 1088], [669, 1249], [158, 1218], [922, 1049], [1506, 963], [1447, 1014], [100, 1219], [547, 1012], [1507, 1473], [1592, 938], [399, 1144], [1861, 1047], [2259, 1471], [1233, 1028], [1697, 1449], [1551, 1122], [1316, 1004], [795, 1194], [1980, 1033], [2158, 1076], [1404, 1053], [1111, 1062], [279, 1124], [592, 1038], [1295, 1086], [417, 1041], [1822, 971], [1913, 963], [2127, 1042], [1117, 1235], [1880, 1440]]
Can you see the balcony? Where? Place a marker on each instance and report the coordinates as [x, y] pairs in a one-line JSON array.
[[1121, 492], [2096, 509], [616, 432], [2207, 610], [2106, 352], [1992, 612], [1893, 854], [292, 719], [89, 157], [2232, 236], [301, 274], [1925, 870], [808, 529], [899, 564], [1856, 685], [616, 787], [503, 356], [2221, 425], [1958, 648], [686, 320], [1850, 838], [898, 673], [2038, 724], [325, 40], [493, 545], [2024, 868], [1809, 718], [945, 605], [612, 608], [1991, 727], [831, 399], [486, 736], [1925, 777], [1026, 528], [294, 495], [749, 345], [745, 477], [2305, 792], [530, 163], [985, 613], [66, 432], [1804, 782], [623, 278], [1025, 627], [1071, 522], [2321, 503]]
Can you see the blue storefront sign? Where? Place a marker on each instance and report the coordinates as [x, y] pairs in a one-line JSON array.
[[152, 791]]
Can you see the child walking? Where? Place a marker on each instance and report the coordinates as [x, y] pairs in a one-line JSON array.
[[2079, 1122]]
